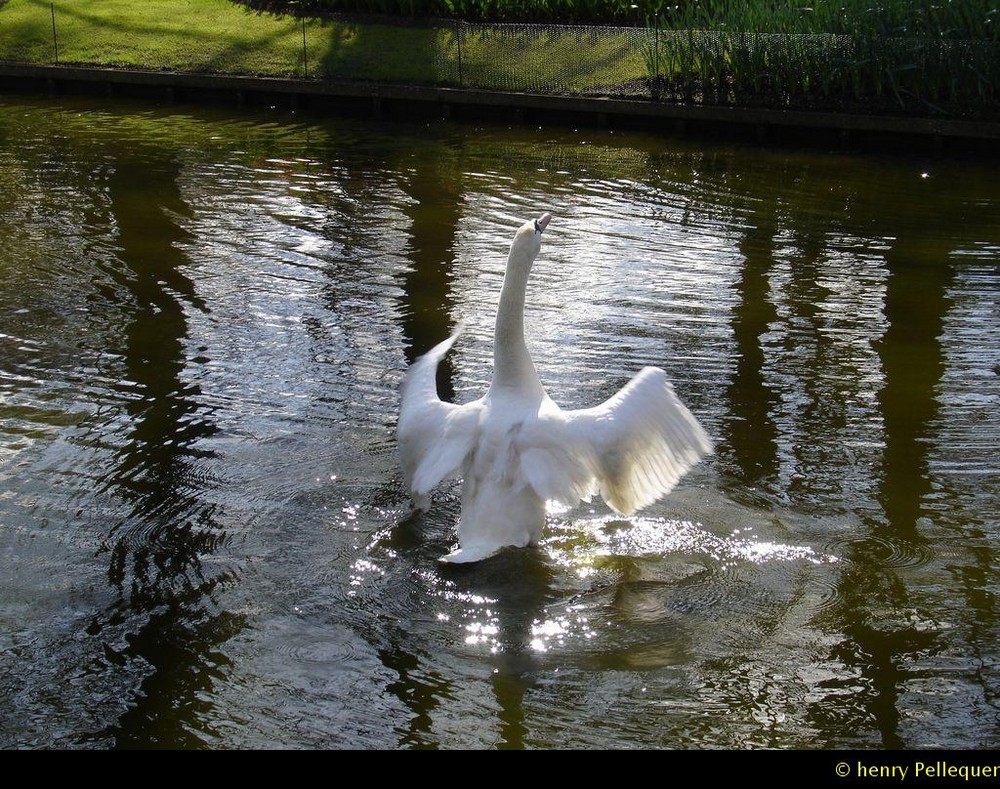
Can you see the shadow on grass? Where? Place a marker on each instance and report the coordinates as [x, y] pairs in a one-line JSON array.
[[26, 38], [541, 58], [100, 38], [381, 53], [416, 52]]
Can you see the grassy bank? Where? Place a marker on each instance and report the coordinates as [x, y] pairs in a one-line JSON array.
[[222, 37], [208, 36], [928, 60]]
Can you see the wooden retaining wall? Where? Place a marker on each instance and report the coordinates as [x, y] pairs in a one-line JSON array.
[[826, 129]]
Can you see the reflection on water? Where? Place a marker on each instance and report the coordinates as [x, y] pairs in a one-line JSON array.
[[204, 320], [751, 437], [155, 550]]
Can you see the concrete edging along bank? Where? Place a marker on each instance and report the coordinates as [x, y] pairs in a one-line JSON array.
[[390, 99]]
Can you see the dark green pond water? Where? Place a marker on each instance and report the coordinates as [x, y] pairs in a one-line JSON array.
[[204, 536]]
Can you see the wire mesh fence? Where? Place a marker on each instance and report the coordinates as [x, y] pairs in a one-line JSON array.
[[723, 67], [561, 59], [650, 63]]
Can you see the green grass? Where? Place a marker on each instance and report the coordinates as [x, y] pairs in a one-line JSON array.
[[210, 36], [181, 34], [536, 58], [218, 36]]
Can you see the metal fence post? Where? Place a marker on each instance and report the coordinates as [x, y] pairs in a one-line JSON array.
[[656, 47], [305, 55], [55, 41], [656, 57], [458, 38]]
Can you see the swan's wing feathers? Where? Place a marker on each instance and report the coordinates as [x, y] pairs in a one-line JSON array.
[[434, 437], [557, 473], [643, 440], [434, 448]]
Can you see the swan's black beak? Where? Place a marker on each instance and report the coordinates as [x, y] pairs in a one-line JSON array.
[[543, 222]]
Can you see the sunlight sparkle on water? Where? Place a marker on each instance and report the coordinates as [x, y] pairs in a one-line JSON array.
[[554, 632], [482, 633], [362, 570], [593, 538]]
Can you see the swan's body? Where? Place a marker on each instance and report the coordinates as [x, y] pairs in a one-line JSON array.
[[515, 448]]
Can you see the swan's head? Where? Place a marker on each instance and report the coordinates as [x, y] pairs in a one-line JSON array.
[[528, 239]]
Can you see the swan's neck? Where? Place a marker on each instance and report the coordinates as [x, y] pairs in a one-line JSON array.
[[513, 370]]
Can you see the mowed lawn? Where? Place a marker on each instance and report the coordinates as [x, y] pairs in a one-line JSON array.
[[210, 36], [221, 37]]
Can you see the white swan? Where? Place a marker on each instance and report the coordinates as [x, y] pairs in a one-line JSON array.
[[515, 449]]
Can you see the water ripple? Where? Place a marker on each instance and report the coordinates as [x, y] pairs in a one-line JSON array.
[[204, 321]]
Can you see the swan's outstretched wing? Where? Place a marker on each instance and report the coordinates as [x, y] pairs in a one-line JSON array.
[[634, 447], [434, 437]]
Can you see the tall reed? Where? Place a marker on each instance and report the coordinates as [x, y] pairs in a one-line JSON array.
[[910, 52]]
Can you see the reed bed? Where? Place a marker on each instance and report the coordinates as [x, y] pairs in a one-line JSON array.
[[914, 54]]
